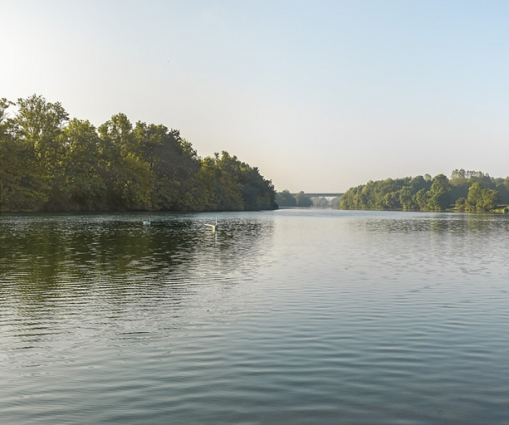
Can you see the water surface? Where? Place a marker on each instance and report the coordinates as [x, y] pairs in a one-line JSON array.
[[287, 317]]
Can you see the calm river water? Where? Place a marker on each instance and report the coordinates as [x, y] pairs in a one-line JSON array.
[[284, 317]]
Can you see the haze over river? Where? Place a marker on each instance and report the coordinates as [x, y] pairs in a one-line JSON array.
[[283, 317]]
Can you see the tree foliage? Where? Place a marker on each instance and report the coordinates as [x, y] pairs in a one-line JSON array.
[[465, 191], [303, 200], [286, 199], [51, 163], [320, 202]]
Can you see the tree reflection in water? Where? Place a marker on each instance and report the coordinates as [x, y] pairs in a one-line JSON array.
[[47, 257]]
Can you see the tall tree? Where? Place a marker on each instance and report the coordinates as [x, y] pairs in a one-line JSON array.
[[303, 200], [439, 193], [10, 169], [128, 177], [480, 198], [38, 127], [84, 186], [286, 199]]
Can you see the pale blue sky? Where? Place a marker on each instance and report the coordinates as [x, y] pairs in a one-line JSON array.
[[320, 95]]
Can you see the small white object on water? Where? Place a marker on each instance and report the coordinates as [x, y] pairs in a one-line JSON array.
[[213, 226], [146, 223]]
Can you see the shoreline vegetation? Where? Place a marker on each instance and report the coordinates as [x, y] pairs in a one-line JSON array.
[[465, 191], [49, 162], [301, 200]]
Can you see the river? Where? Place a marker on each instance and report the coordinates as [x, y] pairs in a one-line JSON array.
[[280, 317]]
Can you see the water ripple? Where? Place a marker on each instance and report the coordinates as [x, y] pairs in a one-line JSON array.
[[288, 317]]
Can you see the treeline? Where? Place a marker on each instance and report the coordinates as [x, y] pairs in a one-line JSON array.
[[286, 199], [49, 162], [464, 191]]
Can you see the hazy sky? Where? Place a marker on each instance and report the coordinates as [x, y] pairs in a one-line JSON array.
[[319, 95]]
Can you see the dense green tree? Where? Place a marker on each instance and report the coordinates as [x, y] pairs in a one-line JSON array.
[[475, 194], [11, 170], [503, 189], [335, 202], [84, 186], [439, 193], [467, 190], [480, 199], [229, 186], [421, 199], [320, 202], [286, 199], [127, 175], [172, 163], [490, 199], [257, 192], [406, 198], [50, 163], [303, 200], [36, 129], [239, 186]]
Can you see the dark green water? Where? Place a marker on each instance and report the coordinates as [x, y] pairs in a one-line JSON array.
[[285, 317]]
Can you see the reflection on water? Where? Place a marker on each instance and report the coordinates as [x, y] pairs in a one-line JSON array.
[[42, 254], [61, 274], [458, 224], [293, 316]]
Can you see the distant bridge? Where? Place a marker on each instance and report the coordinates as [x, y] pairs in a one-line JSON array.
[[321, 195]]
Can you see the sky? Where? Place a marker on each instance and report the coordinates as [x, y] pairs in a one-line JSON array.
[[319, 95]]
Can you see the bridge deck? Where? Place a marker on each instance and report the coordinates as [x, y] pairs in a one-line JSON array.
[[320, 195]]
